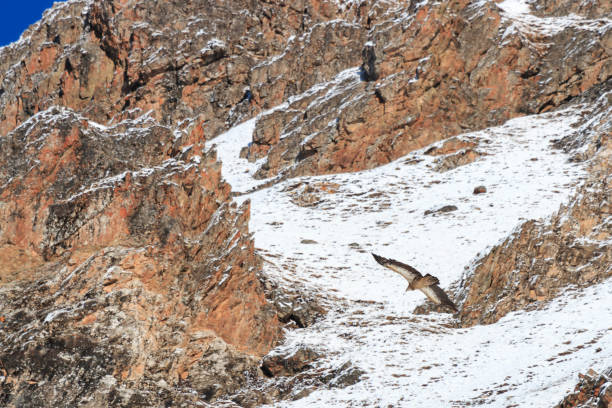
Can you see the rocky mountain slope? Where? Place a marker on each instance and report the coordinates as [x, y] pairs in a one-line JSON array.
[[125, 265], [190, 192], [593, 390]]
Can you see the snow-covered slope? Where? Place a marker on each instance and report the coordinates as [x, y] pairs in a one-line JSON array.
[[519, 12], [318, 232]]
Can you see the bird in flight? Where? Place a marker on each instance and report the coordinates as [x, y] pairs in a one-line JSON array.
[[427, 284]]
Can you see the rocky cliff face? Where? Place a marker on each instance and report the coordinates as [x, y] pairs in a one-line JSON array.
[[421, 73], [593, 390], [427, 73], [193, 64], [120, 245], [129, 275], [126, 268]]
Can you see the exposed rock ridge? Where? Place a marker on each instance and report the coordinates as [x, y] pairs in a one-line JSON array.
[[543, 258], [429, 73], [593, 391], [125, 266], [118, 59]]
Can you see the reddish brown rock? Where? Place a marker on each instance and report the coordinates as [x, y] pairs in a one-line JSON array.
[[112, 61], [591, 392], [436, 75], [544, 257], [139, 270], [127, 235], [605, 395], [444, 70]]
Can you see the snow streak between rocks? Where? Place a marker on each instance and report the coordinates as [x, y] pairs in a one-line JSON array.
[[519, 12], [529, 359]]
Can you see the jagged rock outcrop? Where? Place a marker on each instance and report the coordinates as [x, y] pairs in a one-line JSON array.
[[545, 257], [428, 73], [593, 391], [112, 60], [128, 276], [144, 273], [440, 69]]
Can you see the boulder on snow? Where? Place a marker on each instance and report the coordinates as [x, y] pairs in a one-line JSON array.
[[441, 210]]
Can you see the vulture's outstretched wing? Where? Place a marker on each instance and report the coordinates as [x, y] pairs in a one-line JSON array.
[[427, 285], [438, 296], [406, 271]]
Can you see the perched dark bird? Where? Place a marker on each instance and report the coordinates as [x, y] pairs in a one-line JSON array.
[[427, 284]]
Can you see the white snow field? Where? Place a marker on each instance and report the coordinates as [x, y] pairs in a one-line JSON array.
[[525, 359], [520, 14]]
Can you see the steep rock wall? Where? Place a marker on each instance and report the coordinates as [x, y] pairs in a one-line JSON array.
[[428, 73], [124, 263]]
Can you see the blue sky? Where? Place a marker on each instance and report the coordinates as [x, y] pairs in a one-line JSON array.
[[17, 15]]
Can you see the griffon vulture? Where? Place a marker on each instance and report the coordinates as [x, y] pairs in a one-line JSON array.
[[427, 284]]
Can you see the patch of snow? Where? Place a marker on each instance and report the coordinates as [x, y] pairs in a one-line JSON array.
[[418, 360], [525, 359], [519, 12], [212, 45], [224, 278], [514, 8], [52, 315], [238, 172]]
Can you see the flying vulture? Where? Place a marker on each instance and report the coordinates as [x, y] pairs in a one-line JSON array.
[[427, 284]]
